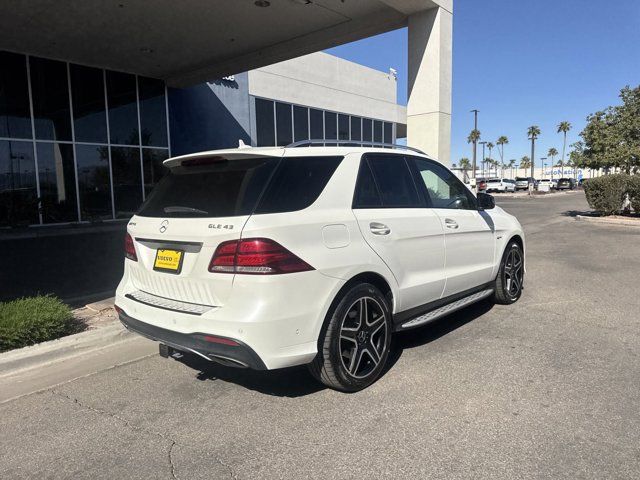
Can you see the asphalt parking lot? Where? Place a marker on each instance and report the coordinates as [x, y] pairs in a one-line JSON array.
[[546, 388]]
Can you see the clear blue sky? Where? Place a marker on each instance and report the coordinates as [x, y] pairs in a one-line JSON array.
[[525, 63]]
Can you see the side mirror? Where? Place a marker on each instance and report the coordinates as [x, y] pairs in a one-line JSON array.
[[485, 201]]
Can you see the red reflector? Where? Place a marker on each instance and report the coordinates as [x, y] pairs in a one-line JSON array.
[[220, 340], [118, 309], [257, 256], [129, 248]]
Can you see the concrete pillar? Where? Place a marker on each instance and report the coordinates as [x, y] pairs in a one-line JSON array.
[[429, 102]]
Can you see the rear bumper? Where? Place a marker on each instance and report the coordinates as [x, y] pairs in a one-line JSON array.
[[239, 355], [279, 319]]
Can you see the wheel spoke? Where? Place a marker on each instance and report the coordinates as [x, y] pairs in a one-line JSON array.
[[363, 313], [373, 353], [515, 284], [375, 329], [356, 360], [518, 262], [375, 323], [349, 334]]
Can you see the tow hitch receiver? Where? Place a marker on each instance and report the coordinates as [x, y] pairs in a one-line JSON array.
[[165, 350]]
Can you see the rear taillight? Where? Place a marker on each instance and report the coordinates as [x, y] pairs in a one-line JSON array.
[[257, 256], [129, 248]]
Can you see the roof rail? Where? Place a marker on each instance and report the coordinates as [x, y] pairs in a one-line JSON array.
[[350, 143]]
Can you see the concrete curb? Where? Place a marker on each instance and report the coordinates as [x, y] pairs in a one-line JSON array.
[[630, 222], [53, 351]]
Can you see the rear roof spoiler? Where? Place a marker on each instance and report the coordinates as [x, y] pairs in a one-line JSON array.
[[228, 154]]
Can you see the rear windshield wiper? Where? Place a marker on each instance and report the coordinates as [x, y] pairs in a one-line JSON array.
[[181, 209]]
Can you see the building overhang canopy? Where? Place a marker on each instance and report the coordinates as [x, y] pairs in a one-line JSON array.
[[190, 41]]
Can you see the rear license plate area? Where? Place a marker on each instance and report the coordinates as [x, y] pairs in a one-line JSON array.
[[168, 261]]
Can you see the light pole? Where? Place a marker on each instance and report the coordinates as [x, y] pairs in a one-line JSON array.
[[542, 159], [482, 160]]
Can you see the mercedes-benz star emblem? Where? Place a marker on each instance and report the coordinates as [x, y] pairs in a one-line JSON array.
[[164, 225]]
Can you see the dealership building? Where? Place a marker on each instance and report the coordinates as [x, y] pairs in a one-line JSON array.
[[95, 95], [86, 144]]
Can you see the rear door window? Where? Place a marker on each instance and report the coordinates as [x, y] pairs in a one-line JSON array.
[[367, 194], [223, 188], [297, 183], [392, 177]]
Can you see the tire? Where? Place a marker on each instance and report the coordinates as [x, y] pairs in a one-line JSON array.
[[510, 279], [352, 355]]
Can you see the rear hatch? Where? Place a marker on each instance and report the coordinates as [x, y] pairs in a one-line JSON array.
[[203, 201]]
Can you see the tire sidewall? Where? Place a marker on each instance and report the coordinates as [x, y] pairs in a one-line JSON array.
[[362, 290]]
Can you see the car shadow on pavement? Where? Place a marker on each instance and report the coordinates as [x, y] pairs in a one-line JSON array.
[[298, 382], [575, 213], [284, 382], [436, 329]]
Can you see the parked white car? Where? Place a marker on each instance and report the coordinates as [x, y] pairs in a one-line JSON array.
[[273, 257], [546, 182], [501, 185], [522, 183]]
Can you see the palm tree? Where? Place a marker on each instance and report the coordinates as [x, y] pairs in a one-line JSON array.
[[490, 147], [464, 164], [525, 163], [532, 132], [495, 164], [512, 163], [487, 167], [563, 127], [552, 153], [473, 137], [501, 142]]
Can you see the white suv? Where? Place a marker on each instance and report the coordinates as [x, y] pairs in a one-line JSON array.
[[273, 257], [501, 185]]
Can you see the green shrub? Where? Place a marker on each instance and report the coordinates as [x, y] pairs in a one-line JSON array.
[[633, 188], [27, 321], [607, 194]]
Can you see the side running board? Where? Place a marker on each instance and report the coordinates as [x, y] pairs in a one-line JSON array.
[[444, 310]]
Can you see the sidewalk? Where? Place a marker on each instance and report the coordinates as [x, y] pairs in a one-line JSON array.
[[105, 344]]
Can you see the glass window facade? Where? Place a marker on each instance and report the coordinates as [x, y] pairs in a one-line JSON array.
[[77, 143], [94, 182], [123, 108], [265, 123], [18, 187], [278, 123], [50, 91], [153, 112], [15, 117], [316, 119], [89, 112], [300, 123], [127, 180], [57, 175], [284, 132]]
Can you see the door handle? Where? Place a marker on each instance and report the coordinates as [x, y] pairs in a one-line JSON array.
[[379, 228], [451, 223]]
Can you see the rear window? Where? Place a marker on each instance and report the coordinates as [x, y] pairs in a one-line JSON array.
[[222, 189], [234, 188], [522, 179], [297, 183]]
